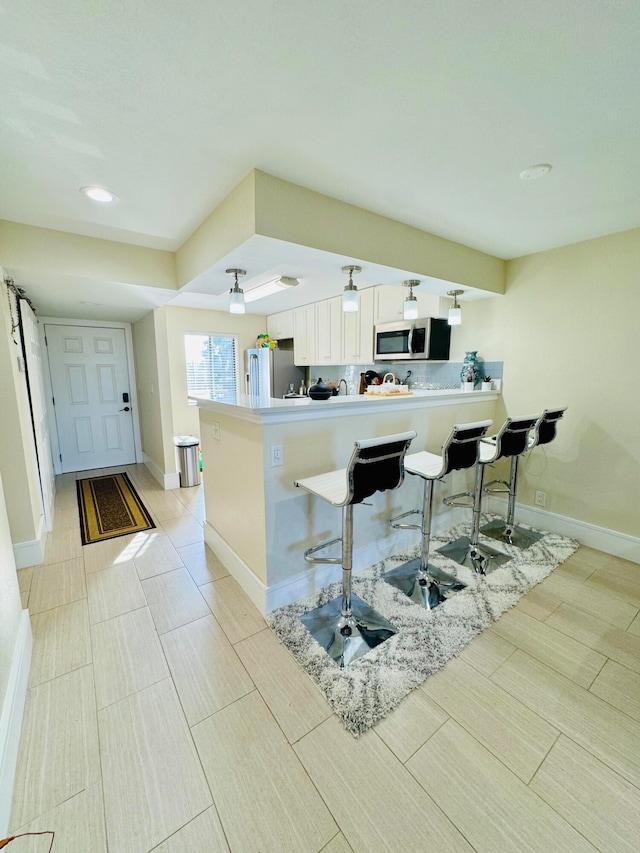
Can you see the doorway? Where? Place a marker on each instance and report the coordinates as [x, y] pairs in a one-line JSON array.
[[92, 396]]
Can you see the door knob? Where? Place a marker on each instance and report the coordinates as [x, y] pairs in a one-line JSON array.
[[126, 409]]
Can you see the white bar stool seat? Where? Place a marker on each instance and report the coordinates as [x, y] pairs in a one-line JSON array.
[[347, 627], [428, 585]]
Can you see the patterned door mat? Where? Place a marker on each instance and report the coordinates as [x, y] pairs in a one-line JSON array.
[[366, 690], [109, 506]]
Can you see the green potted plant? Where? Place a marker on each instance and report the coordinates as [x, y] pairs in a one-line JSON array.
[[486, 383]]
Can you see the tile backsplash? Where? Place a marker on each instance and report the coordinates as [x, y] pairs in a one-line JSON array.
[[424, 374]]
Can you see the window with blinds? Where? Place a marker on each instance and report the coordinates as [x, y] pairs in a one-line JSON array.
[[212, 366]]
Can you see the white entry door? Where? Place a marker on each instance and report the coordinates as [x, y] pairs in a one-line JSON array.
[[90, 383], [37, 398]]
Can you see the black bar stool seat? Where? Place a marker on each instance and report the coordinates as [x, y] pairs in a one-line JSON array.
[[428, 585], [347, 627], [544, 432]]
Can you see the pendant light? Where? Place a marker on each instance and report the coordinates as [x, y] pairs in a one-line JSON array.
[[455, 312], [236, 294], [350, 295], [410, 309]]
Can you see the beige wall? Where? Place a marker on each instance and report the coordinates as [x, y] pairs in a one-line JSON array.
[[17, 449], [567, 330], [180, 321], [149, 390], [10, 606]]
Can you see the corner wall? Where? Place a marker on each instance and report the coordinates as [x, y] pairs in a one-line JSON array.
[[567, 329]]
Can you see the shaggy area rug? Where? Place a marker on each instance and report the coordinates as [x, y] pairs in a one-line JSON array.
[[367, 689]]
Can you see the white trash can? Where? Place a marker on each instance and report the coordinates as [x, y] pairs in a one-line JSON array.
[[188, 460]]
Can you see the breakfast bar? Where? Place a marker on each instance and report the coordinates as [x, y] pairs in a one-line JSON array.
[[259, 524]]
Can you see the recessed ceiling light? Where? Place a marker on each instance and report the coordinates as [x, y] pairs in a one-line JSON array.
[[535, 172], [99, 194]]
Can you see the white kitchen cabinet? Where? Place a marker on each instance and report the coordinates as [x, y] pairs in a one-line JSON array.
[[280, 325], [357, 330], [389, 304], [329, 331], [304, 335]]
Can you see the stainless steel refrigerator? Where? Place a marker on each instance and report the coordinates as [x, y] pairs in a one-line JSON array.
[[270, 372]]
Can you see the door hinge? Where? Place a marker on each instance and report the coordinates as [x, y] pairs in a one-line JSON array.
[[60, 457], [53, 400]]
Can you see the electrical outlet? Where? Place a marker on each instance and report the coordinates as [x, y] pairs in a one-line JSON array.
[[215, 429], [276, 455], [541, 498]]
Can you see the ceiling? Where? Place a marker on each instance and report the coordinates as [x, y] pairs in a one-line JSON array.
[[425, 112]]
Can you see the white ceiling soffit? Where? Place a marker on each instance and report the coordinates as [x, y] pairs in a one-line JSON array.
[[424, 112]]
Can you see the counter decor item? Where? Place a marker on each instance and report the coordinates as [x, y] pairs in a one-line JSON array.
[[468, 383], [319, 391], [470, 367], [362, 387], [266, 342], [486, 383]]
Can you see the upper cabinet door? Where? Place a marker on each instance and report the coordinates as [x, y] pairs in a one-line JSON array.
[[388, 304], [280, 325], [357, 331], [329, 331], [304, 335]]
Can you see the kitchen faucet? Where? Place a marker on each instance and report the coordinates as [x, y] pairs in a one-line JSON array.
[[346, 387]]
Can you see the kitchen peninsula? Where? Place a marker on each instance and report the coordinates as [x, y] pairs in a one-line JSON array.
[[259, 524]]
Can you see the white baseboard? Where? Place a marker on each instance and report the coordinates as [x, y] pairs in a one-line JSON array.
[[601, 538], [251, 584], [11, 718], [268, 598], [31, 553], [167, 481]]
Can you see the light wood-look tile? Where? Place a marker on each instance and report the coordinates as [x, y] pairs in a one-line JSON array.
[[114, 591], [492, 808], [264, 798], [338, 844], [634, 628], [61, 641], [515, 735], [164, 505], [67, 519], [409, 725], [197, 510], [624, 585], [183, 531], [291, 695], [157, 557], [204, 833], [582, 563], [607, 733], [62, 545], [203, 565], [194, 494], [621, 646], [539, 602], [57, 584], [238, 616], [600, 804], [601, 603], [562, 653], [111, 552], [373, 797], [25, 576], [24, 600], [78, 824], [207, 672], [127, 656], [153, 781], [64, 499], [620, 687], [59, 745], [174, 600], [486, 652]]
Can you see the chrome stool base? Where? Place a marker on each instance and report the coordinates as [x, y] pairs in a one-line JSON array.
[[481, 559], [518, 536], [439, 586], [345, 639]]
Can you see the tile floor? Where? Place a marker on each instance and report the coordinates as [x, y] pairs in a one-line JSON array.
[[164, 715]]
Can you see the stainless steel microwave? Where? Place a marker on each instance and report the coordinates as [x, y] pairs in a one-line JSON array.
[[428, 339]]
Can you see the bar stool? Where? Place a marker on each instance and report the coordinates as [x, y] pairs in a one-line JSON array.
[[511, 440], [347, 627], [543, 432], [428, 585]]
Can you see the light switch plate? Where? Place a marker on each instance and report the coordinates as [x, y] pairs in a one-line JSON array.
[[276, 455]]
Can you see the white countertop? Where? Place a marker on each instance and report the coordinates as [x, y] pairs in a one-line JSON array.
[[274, 410]]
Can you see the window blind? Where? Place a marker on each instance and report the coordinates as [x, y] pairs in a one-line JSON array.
[[212, 366]]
